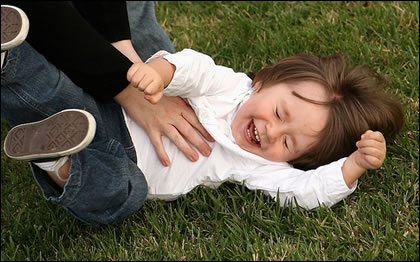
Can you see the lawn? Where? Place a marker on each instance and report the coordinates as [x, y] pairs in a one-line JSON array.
[[379, 221]]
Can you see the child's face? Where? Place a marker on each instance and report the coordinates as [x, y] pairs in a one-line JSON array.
[[277, 125]]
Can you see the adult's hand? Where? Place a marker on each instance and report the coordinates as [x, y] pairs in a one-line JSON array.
[[171, 117]]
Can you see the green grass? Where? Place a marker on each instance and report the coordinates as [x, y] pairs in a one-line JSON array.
[[377, 222]]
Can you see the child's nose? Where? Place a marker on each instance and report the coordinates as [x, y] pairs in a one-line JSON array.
[[274, 132]]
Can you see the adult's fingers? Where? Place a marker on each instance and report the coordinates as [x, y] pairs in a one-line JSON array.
[[186, 127], [190, 134], [157, 143], [191, 118], [174, 135]]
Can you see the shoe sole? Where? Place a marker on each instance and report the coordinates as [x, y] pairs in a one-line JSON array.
[[14, 27], [64, 133]]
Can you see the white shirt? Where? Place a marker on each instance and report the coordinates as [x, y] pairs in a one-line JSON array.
[[216, 93]]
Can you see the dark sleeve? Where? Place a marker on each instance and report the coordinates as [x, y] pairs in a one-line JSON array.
[[109, 18], [59, 32]]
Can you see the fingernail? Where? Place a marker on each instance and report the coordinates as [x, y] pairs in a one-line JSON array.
[[193, 157], [166, 162], [207, 152]]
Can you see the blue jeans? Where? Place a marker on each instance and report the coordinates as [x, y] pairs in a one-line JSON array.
[[148, 36], [105, 185]]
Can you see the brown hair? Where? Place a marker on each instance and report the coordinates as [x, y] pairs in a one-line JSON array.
[[357, 103]]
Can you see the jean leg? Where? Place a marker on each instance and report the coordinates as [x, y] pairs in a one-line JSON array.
[[105, 185], [147, 34]]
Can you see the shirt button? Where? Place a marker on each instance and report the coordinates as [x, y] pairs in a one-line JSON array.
[[204, 115]]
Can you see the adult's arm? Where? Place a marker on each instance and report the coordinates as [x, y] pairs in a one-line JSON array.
[[109, 18], [73, 45], [61, 34]]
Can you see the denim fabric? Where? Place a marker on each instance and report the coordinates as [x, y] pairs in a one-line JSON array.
[[147, 34], [105, 185]]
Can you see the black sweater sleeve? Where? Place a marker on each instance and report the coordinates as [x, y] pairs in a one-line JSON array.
[[109, 18], [60, 33]]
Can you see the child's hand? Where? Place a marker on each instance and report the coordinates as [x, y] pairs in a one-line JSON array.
[[147, 80], [370, 154], [371, 150]]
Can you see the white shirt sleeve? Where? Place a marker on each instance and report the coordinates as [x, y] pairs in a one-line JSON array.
[[309, 189], [196, 75]]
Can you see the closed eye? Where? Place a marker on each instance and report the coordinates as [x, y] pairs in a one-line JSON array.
[[277, 113]]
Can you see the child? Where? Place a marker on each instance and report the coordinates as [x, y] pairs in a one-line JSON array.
[[306, 111]]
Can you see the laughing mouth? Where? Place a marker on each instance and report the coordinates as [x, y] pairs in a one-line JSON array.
[[253, 133]]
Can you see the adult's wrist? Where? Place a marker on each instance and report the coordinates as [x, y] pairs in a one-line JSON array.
[[123, 97], [127, 49]]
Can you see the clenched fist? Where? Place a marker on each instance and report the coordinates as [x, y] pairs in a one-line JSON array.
[[371, 150], [145, 78], [370, 154]]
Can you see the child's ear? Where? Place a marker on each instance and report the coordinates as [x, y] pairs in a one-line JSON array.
[[257, 86]]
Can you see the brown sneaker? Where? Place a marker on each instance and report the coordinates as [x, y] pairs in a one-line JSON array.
[[64, 133], [14, 27]]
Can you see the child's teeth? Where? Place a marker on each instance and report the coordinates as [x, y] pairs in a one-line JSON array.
[[257, 138], [256, 134]]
